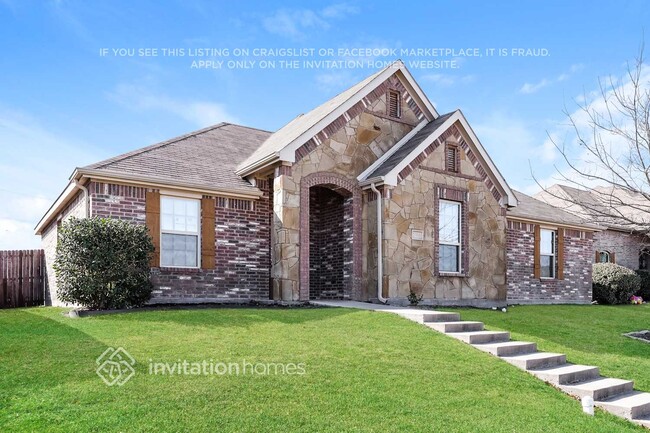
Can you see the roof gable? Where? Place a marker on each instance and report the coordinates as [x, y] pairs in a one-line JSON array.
[[409, 153], [283, 144]]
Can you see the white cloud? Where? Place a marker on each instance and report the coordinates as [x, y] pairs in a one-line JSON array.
[[294, 23], [34, 169], [529, 88], [200, 113], [447, 80]]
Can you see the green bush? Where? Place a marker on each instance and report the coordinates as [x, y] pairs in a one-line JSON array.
[[644, 291], [614, 284], [103, 263]]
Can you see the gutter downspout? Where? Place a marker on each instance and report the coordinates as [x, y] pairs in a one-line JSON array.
[[86, 197], [380, 238]]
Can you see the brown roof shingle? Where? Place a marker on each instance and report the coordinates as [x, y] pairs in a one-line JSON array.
[[207, 157]]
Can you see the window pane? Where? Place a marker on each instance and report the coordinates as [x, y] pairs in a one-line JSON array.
[[448, 230], [547, 242], [179, 214], [179, 250], [448, 258], [604, 257], [547, 266]]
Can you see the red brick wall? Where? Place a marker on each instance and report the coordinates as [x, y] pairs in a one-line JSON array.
[[523, 287], [330, 244], [242, 231]]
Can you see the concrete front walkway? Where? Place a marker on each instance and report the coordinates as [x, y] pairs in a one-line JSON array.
[[616, 396]]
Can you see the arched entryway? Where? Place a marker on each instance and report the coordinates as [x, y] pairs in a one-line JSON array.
[[330, 237]]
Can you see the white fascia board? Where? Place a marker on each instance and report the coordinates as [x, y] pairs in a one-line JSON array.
[[485, 158], [390, 178], [415, 90], [395, 148], [56, 207]]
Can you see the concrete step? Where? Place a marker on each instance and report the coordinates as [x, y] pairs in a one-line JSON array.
[[566, 374], [536, 360], [455, 326], [478, 337], [601, 388], [632, 405], [643, 421], [430, 316], [508, 348]]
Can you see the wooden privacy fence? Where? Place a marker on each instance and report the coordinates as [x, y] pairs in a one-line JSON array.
[[22, 278]]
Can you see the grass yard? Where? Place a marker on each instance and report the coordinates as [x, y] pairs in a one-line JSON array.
[[365, 371], [588, 334]]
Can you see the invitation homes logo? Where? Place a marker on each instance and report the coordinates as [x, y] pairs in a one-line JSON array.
[[116, 367]]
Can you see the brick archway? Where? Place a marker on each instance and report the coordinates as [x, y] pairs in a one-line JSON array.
[[346, 186]]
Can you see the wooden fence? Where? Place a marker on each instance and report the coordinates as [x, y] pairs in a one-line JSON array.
[[22, 278]]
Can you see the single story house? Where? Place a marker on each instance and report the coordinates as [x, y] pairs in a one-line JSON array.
[[624, 239], [371, 196]]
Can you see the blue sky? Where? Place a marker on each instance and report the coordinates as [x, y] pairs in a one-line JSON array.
[[63, 104]]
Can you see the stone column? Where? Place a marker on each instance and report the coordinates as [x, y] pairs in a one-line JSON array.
[[285, 236]]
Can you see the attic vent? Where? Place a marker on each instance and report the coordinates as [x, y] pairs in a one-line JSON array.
[[451, 159], [393, 106]]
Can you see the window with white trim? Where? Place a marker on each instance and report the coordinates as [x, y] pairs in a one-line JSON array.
[[449, 236], [179, 232], [547, 248], [604, 257]]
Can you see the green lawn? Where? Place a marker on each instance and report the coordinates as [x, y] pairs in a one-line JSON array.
[[588, 334], [365, 371]]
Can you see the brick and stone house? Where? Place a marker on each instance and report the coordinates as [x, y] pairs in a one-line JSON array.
[[371, 196], [622, 241]]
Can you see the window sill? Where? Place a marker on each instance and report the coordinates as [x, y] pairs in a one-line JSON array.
[[451, 274], [179, 269]]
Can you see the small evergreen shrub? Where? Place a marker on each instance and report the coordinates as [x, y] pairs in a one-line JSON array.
[[103, 263], [614, 284], [644, 290]]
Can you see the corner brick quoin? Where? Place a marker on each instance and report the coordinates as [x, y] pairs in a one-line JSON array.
[[335, 182]]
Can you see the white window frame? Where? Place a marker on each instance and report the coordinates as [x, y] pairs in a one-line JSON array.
[[609, 257], [552, 255], [458, 245], [177, 232]]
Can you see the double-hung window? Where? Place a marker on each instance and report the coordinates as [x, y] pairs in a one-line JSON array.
[[179, 226], [449, 236], [547, 253]]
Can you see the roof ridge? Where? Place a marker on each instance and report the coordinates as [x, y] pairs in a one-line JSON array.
[[158, 145]]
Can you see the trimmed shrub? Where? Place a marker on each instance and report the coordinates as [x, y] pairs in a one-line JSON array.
[[103, 263], [614, 284], [644, 290]]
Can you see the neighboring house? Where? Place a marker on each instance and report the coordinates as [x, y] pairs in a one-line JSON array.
[[370, 196], [622, 242]]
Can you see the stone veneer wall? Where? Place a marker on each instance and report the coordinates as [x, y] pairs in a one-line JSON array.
[[349, 149], [411, 265], [330, 239], [626, 246], [242, 246], [524, 288], [76, 208]]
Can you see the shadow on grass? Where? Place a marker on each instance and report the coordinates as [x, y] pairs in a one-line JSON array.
[[243, 317]]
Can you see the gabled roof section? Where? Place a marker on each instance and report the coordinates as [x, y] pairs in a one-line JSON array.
[[281, 146], [531, 209], [411, 151], [207, 157]]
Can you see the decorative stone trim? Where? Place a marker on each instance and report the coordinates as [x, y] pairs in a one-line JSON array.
[[391, 83], [443, 192], [343, 186], [452, 132]]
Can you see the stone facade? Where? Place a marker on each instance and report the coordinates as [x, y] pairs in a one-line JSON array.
[[334, 163], [524, 288], [411, 265], [627, 247]]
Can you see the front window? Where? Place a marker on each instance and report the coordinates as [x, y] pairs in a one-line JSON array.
[[449, 236], [547, 254], [604, 257], [179, 232]]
